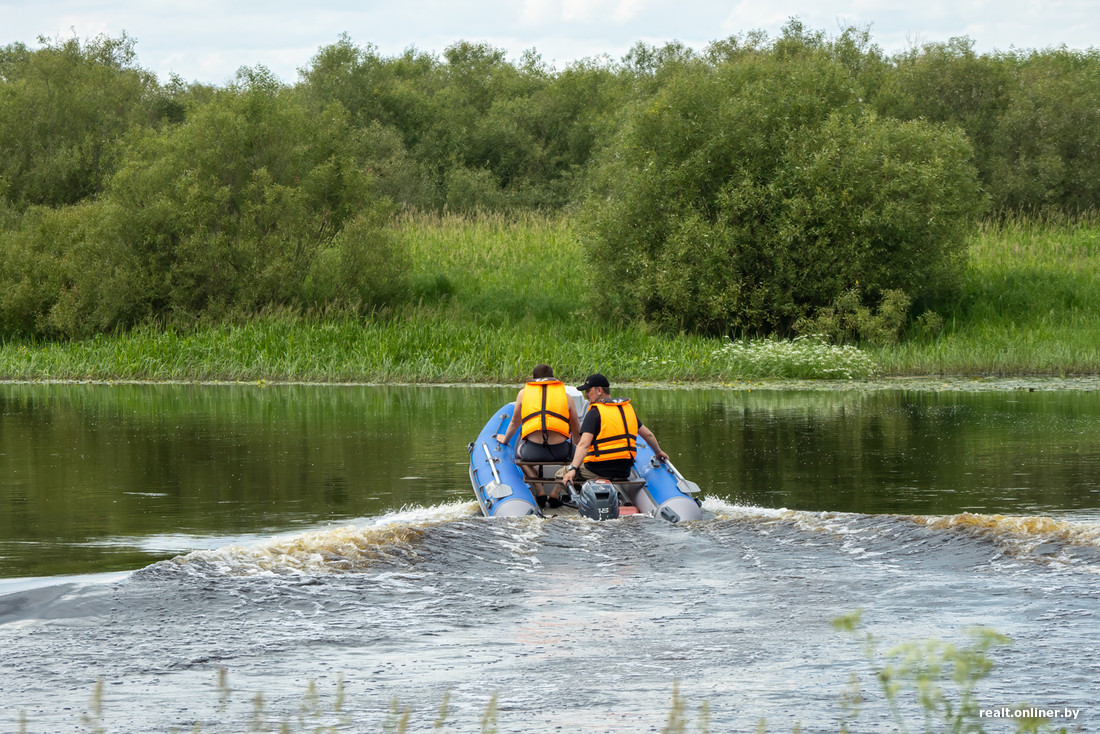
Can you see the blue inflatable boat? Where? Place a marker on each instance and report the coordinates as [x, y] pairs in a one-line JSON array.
[[654, 488]]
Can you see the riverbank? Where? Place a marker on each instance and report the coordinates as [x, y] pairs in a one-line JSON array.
[[935, 383], [490, 304]]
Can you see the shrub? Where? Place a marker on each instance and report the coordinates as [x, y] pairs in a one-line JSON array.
[[229, 212], [362, 267], [470, 190], [849, 320], [747, 196], [33, 267], [1032, 117], [63, 108], [1045, 150]]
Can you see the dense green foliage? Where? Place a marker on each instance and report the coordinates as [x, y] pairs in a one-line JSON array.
[[744, 197], [1033, 117], [489, 306], [773, 178], [471, 129], [63, 109], [254, 200]]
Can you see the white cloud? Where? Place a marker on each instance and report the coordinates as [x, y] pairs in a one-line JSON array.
[[748, 16], [628, 10], [538, 11], [574, 12]]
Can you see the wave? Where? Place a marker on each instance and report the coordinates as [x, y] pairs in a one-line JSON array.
[[1028, 538], [1039, 527], [402, 536], [342, 549]]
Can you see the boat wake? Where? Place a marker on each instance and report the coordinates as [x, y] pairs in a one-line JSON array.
[[415, 599], [1035, 538], [1072, 544], [456, 531], [344, 549]]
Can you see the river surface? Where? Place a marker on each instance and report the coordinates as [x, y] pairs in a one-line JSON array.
[[238, 558]]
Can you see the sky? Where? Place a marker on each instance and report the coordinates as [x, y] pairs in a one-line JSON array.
[[207, 41]]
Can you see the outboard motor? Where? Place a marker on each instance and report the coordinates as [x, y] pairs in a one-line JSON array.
[[598, 500]]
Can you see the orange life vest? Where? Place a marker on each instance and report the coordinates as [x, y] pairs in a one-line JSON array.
[[545, 407], [618, 438]]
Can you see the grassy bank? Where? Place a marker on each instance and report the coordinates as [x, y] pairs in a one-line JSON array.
[[495, 296], [1032, 305]]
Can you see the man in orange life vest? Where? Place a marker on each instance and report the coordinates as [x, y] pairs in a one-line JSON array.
[[548, 424], [609, 435]]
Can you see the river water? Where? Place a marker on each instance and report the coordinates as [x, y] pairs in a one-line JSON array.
[[242, 557]]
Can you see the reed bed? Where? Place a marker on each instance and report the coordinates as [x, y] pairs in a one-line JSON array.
[[418, 346], [497, 294]]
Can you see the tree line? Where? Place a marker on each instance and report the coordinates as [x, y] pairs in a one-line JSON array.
[[757, 185]]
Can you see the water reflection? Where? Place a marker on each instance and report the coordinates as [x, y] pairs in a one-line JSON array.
[[891, 451], [99, 477], [87, 467]]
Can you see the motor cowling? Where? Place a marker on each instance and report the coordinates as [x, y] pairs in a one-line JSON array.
[[599, 500]]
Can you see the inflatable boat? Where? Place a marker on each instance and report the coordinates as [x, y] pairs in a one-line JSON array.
[[654, 488]]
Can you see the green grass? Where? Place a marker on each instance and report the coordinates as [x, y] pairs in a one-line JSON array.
[[417, 345], [1032, 305], [496, 269], [495, 295]]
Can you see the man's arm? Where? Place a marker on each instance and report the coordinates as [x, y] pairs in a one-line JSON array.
[[514, 423], [578, 456], [652, 441]]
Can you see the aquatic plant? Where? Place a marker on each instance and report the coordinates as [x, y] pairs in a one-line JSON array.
[[941, 677], [805, 357], [932, 677], [677, 718]]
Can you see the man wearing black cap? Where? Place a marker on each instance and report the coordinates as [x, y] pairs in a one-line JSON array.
[[609, 435]]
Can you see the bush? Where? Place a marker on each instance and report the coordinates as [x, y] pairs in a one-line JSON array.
[[1032, 117], [227, 213], [1046, 148], [63, 109], [745, 197], [362, 267], [849, 320], [470, 190], [33, 268]]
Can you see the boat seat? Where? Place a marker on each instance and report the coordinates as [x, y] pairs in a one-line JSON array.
[[633, 481], [616, 482]]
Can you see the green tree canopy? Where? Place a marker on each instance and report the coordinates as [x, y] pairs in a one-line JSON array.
[[745, 196], [62, 110], [253, 201]]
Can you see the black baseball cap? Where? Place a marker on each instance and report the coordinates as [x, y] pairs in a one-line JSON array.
[[596, 380]]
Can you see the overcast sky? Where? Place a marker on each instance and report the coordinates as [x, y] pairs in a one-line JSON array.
[[207, 41]]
